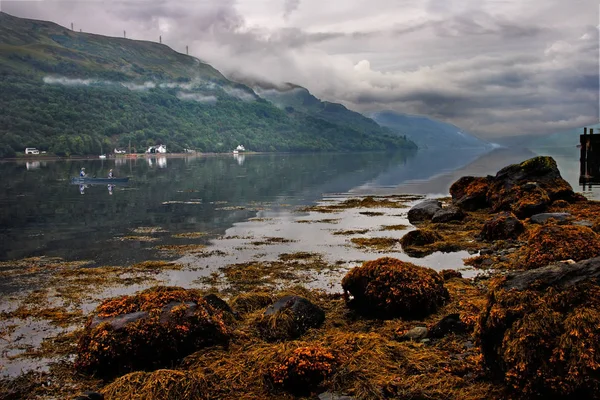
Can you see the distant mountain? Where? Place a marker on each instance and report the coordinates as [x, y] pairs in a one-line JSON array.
[[77, 93], [427, 132], [293, 97], [568, 138]]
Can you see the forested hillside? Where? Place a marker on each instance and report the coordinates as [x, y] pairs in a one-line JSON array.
[[77, 93]]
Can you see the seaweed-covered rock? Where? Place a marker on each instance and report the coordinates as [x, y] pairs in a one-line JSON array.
[[413, 242], [304, 370], [148, 330], [163, 384], [389, 288], [550, 243], [289, 317], [424, 211], [470, 192], [529, 187], [448, 214], [539, 331], [525, 189], [502, 226]]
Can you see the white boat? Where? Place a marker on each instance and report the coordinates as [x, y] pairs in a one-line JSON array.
[[102, 156]]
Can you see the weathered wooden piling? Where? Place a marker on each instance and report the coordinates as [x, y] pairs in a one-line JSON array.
[[589, 160]]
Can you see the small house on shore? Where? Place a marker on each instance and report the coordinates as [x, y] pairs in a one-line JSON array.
[[160, 149], [32, 151]]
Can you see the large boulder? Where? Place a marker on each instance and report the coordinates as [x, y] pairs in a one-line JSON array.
[[424, 211], [148, 330], [389, 288], [501, 227], [525, 189], [529, 187], [539, 331], [289, 317], [550, 243], [470, 192]]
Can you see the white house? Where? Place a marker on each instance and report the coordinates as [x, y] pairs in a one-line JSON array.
[[117, 151], [31, 150], [238, 149], [157, 149]]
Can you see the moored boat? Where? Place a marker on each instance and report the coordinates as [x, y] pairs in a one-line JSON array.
[[79, 180]]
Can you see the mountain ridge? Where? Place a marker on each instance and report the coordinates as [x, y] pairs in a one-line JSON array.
[[427, 132], [76, 93]]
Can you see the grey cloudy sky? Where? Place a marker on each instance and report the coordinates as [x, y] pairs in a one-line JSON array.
[[493, 67]]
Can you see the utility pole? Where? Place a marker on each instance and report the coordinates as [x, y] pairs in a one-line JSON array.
[[186, 51], [71, 26], [125, 34], [160, 39], [79, 30]]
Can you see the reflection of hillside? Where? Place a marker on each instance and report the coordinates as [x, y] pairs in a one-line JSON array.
[[423, 166], [439, 183], [42, 214]]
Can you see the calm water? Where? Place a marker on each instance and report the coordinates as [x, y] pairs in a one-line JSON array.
[[41, 213]]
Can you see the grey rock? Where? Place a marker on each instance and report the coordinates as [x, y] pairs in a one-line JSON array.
[[451, 323], [424, 211], [306, 314], [559, 275], [334, 396], [119, 321], [448, 214], [585, 222], [545, 217], [415, 334]]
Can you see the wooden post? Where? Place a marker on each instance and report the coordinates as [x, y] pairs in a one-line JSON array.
[[582, 152]]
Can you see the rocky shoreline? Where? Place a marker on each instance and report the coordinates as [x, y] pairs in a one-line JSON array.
[[527, 328]]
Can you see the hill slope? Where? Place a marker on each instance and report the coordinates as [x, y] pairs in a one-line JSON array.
[[78, 93], [427, 132], [294, 97]]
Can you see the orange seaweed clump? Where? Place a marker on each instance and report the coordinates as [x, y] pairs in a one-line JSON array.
[[550, 243], [391, 288], [148, 300], [543, 342], [163, 384], [148, 330], [304, 370]]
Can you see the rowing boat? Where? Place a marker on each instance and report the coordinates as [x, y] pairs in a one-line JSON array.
[[85, 179]]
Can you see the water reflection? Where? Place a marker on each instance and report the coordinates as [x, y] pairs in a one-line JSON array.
[[161, 162], [239, 158], [204, 194], [33, 165]]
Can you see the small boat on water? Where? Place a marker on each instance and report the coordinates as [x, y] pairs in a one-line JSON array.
[[84, 180]]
